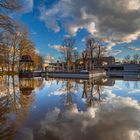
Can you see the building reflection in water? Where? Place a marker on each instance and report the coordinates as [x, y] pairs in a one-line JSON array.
[[16, 98]]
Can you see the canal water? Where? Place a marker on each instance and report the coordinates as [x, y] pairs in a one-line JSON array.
[[68, 109]]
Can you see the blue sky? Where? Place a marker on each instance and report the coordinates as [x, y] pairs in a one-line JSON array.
[[50, 20]]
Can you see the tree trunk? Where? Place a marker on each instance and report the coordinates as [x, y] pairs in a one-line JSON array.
[[13, 59]]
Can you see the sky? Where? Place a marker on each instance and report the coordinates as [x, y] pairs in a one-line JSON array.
[[117, 22]]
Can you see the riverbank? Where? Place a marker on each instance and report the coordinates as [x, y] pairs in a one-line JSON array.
[[9, 73]]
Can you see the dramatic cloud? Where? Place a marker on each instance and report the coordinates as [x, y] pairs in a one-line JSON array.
[[119, 20], [95, 122]]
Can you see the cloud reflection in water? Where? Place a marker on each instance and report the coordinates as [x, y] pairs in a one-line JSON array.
[[115, 119]]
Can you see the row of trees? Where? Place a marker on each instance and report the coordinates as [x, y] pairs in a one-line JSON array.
[[94, 49], [135, 59], [70, 54], [14, 39]]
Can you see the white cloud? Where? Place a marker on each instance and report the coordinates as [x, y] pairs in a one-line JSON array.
[[48, 84], [49, 58], [134, 91], [58, 92], [58, 47], [117, 118], [62, 91], [37, 51], [133, 48], [115, 52], [117, 19], [61, 48]]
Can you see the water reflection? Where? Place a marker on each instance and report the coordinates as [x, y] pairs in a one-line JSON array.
[[112, 120], [60, 109], [16, 98], [108, 116]]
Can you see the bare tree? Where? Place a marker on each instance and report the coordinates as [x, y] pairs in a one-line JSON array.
[[127, 59], [26, 47], [90, 43], [84, 57], [17, 41], [10, 5], [68, 51], [15, 53], [68, 45], [136, 58], [7, 25], [6, 22], [94, 50]]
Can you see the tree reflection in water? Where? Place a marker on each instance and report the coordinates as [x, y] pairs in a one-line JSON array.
[[83, 109], [92, 93], [69, 89], [91, 90], [16, 98], [114, 118]]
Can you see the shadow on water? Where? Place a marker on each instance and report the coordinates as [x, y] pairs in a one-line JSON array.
[[60, 109]]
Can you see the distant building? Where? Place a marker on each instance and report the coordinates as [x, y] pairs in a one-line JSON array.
[[104, 61], [124, 70], [80, 64]]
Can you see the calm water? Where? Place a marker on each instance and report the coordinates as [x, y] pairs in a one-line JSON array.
[[65, 109]]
